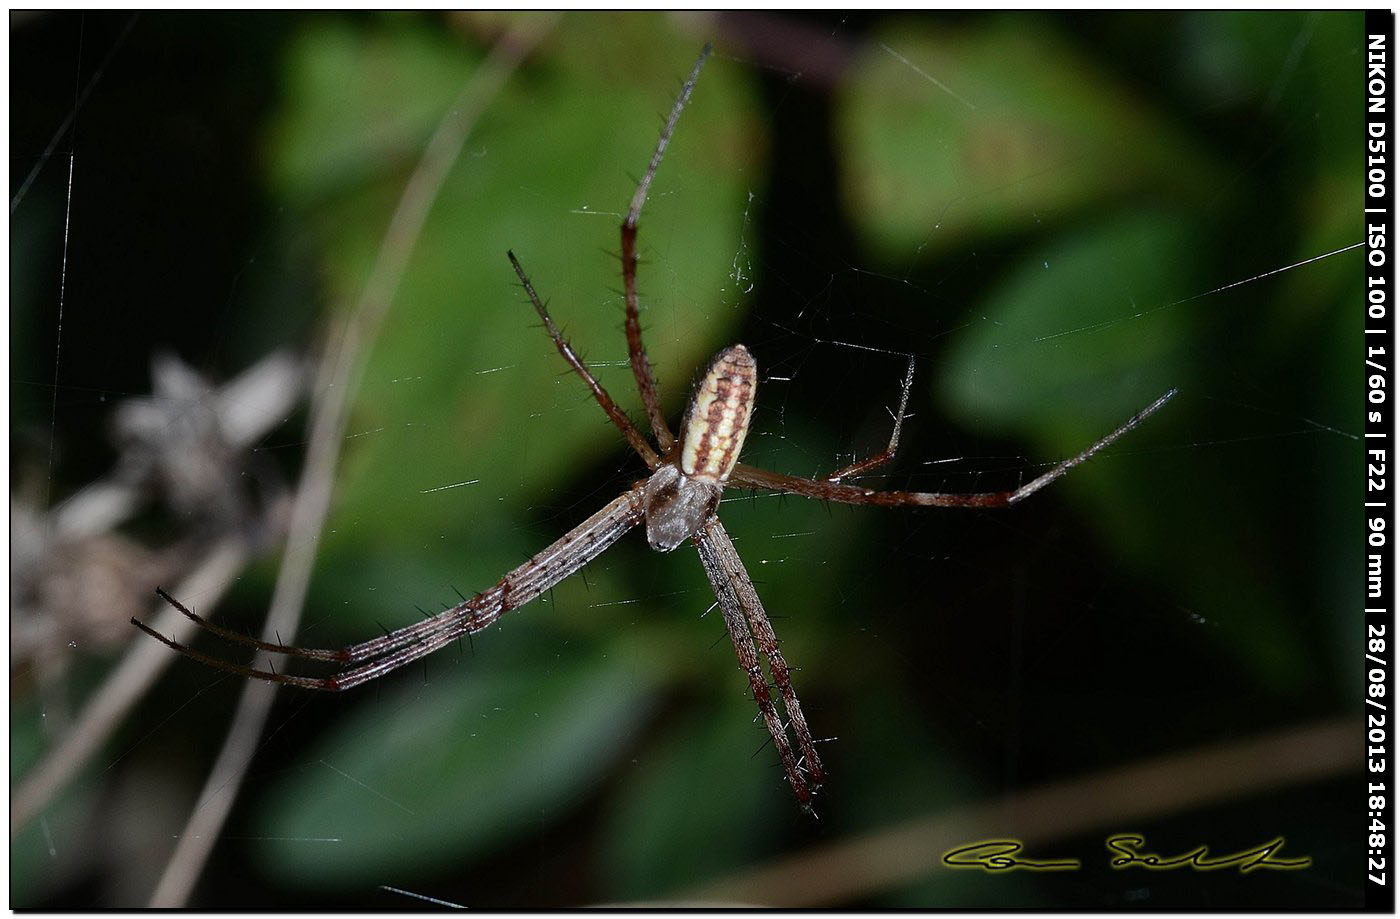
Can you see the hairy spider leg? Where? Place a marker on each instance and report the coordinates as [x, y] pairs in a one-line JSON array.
[[733, 590], [723, 564], [871, 463], [752, 477], [340, 681], [636, 353], [379, 656], [619, 418]]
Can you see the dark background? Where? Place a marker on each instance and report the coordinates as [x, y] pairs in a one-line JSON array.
[[1045, 236]]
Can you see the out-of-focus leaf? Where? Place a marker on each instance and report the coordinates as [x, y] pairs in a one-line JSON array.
[[890, 775], [704, 792], [433, 774], [1099, 305], [358, 98], [1110, 304], [1289, 65], [990, 127]]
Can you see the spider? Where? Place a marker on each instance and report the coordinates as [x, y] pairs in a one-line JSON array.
[[677, 501]]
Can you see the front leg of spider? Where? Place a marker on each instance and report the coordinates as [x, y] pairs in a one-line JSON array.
[[679, 503]]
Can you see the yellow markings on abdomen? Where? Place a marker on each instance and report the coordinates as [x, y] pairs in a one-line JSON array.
[[719, 415]]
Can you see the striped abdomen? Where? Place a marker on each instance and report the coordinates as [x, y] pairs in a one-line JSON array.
[[719, 415]]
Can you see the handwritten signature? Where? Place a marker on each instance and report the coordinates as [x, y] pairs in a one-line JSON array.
[[996, 855], [1199, 858], [1001, 855]]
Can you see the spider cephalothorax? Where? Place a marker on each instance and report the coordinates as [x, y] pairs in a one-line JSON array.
[[677, 502]]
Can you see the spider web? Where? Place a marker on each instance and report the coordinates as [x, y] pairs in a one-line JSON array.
[[1076, 225]]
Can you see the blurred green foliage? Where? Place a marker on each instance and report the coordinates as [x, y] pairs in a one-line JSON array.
[[1036, 133], [1038, 207]]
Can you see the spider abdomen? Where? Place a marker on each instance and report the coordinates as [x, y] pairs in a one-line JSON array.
[[718, 418]]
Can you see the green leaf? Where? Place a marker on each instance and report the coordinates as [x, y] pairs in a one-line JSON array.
[[703, 791], [433, 774], [358, 98], [1074, 342], [990, 128]]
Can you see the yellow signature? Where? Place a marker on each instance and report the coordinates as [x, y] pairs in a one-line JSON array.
[[1128, 847], [996, 855]]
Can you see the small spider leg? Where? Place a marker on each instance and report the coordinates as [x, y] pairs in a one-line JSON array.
[[379, 656], [752, 477], [1036, 484], [733, 589], [871, 463], [636, 353], [619, 418], [314, 654], [346, 679], [226, 666], [353, 654]]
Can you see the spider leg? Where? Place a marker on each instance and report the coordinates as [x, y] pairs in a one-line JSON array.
[[748, 624], [379, 656], [315, 654], [871, 463], [762, 630], [346, 679], [636, 353], [227, 667], [352, 654], [619, 418], [752, 477]]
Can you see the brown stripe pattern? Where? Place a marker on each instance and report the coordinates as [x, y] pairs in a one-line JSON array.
[[718, 419]]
